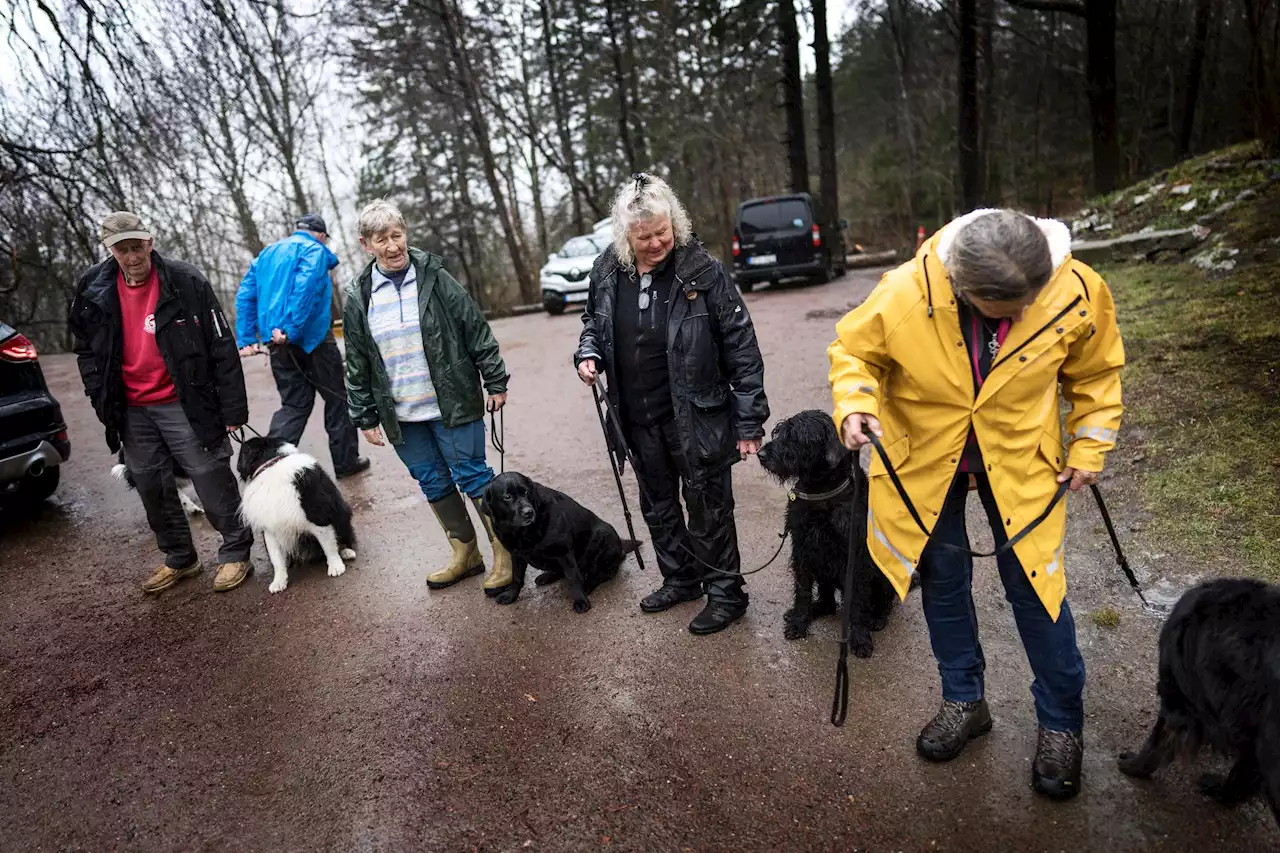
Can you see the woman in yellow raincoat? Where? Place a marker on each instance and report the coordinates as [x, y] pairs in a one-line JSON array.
[[955, 361]]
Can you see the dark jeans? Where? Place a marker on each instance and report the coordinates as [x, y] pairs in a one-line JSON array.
[[299, 377], [710, 532], [154, 438], [946, 579]]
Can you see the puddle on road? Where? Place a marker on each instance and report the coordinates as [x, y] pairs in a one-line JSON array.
[[1164, 594]]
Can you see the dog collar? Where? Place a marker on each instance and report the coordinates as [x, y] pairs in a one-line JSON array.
[[264, 466], [797, 495]]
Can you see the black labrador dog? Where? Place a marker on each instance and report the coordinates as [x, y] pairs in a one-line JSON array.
[[554, 533], [805, 452], [1219, 686]]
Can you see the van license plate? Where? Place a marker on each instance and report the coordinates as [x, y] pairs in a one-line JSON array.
[[762, 260]]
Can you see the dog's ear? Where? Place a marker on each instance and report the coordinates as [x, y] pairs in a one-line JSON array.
[[835, 453]]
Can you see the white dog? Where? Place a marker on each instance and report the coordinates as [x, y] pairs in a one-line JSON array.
[[291, 502]]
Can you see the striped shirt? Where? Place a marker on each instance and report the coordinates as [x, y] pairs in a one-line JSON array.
[[397, 332]]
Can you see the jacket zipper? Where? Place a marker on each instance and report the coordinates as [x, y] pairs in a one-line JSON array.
[[1064, 312]]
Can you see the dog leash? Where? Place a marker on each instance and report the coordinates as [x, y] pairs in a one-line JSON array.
[[607, 413], [497, 436], [1061, 492], [840, 702], [617, 474], [238, 435]]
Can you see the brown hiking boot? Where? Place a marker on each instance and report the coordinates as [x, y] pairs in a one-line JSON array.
[[955, 724], [231, 575], [1056, 769], [166, 577]]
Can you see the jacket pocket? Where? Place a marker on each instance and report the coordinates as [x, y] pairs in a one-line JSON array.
[[897, 450], [712, 425], [1051, 451]]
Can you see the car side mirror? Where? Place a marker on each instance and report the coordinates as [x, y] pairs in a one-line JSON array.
[[844, 223], [553, 256]]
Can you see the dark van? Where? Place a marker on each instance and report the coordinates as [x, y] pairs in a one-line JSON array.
[[777, 237]]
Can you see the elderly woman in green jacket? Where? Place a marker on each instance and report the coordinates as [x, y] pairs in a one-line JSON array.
[[419, 353]]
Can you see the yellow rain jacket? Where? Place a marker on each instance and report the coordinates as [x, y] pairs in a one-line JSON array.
[[901, 357]]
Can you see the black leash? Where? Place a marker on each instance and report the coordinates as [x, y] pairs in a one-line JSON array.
[[238, 435], [617, 474], [497, 436], [1058, 495], [840, 702], [607, 413]]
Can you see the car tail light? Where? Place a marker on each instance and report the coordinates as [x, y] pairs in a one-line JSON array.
[[737, 248], [62, 436], [18, 348], [817, 237]]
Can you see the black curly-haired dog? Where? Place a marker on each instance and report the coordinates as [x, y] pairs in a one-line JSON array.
[[1219, 686], [554, 533], [805, 452]]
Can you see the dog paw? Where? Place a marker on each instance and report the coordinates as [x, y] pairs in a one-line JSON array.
[[547, 578], [862, 647], [507, 596], [1131, 765], [825, 608], [347, 554], [337, 570], [582, 605], [879, 623], [795, 631], [278, 585]]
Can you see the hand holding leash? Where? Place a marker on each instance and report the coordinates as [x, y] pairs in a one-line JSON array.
[[855, 428]]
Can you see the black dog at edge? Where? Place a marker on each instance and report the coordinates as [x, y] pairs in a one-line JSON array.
[[805, 451], [1219, 686], [554, 533]]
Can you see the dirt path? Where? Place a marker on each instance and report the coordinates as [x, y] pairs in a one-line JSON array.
[[365, 713]]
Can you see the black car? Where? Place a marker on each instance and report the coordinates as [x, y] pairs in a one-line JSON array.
[[778, 237], [33, 435]]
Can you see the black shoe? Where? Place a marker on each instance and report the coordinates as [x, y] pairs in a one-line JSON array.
[[667, 597], [955, 724], [716, 616], [1056, 770], [362, 465]]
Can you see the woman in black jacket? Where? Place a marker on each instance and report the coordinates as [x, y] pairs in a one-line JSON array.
[[668, 328]]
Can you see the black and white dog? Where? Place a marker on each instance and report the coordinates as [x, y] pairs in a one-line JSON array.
[[1219, 687], [805, 452], [190, 502], [290, 500]]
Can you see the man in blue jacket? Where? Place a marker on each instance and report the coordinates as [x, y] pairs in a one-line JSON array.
[[284, 300]]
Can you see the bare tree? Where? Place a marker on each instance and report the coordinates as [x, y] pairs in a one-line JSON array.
[[793, 96]]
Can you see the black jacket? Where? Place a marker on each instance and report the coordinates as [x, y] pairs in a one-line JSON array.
[[717, 373], [197, 344]]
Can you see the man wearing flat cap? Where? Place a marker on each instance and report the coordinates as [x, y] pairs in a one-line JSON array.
[[284, 301], [159, 364]]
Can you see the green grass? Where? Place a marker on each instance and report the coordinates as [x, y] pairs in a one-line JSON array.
[[1106, 617], [1203, 387]]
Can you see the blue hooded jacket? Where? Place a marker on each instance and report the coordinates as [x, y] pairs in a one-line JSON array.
[[287, 288]]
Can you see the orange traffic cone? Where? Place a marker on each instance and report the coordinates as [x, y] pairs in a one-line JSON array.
[[919, 237]]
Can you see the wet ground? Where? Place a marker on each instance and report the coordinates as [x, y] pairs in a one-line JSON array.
[[367, 713]]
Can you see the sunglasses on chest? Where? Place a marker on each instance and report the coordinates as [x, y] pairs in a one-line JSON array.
[[645, 281]]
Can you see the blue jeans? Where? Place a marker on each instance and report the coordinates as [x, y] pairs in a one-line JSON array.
[[946, 586], [444, 459]]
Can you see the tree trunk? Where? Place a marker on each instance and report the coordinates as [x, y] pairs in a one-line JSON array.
[[992, 191], [967, 108], [1100, 29], [793, 96], [454, 32], [828, 189], [562, 116], [620, 83], [633, 83]]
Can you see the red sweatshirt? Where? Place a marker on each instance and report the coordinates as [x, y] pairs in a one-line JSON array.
[[146, 379]]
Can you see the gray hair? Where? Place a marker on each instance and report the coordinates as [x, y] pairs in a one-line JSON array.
[[378, 216], [645, 197], [1001, 256]]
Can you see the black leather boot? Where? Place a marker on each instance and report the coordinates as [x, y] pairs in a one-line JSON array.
[[716, 616], [1056, 770], [666, 597], [955, 724]]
